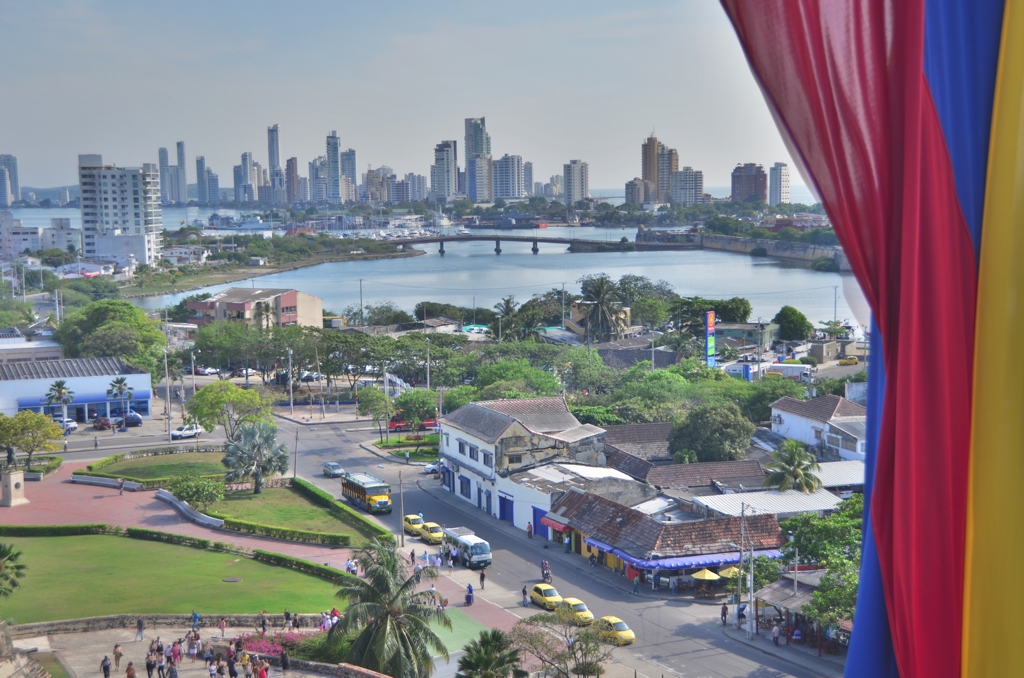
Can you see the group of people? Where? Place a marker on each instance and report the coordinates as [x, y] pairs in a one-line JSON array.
[[444, 556], [329, 619], [352, 566]]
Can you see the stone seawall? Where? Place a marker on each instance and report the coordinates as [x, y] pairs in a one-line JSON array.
[[797, 251]]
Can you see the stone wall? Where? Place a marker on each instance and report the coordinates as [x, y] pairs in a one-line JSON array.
[[127, 621], [15, 664], [776, 248]]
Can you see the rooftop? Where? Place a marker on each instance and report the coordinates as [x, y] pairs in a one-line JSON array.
[[771, 502], [820, 409], [645, 441], [841, 473], [563, 476], [700, 474], [855, 426], [543, 415], [627, 463], [67, 369], [784, 594], [245, 295]]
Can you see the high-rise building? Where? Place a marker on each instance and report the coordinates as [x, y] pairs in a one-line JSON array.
[[779, 187], [749, 182], [292, 179], [165, 180], [212, 187], [348, 165], [575, 181], [528, 178], [318, 180], [417, 187], [478, 141], [538, 188], [6, 197], [636, 191], [303, 190], [687, 187], [333, 168], [509, 177], [183, 192], [444, 173], [376, 182], [259, 181], [649, 160], [479, 178], [553, 188], [349, 191], [668, 162], [10, 163], [202, 187], [121, 217], [278, 187], [273, 148], [246, 188]]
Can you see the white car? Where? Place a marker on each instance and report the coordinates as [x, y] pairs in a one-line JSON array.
[[433, 467], [333, 469], [190, 431], [66, 423], [209, 370]]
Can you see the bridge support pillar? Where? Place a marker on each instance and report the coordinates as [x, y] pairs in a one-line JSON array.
[[497, 246], [536, 250], [441, 251]]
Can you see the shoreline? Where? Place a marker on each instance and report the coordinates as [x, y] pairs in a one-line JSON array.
[[293, 267]]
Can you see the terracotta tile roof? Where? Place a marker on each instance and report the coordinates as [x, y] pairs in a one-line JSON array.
[[701, 537], [637, 433], [481, 422], [700, 474], [627, 463], [543, 415], [820, 409]]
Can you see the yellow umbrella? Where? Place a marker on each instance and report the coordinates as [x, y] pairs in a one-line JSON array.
[[705, 575], [729, 572]]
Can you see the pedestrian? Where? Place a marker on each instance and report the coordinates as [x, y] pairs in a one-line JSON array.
[[208, 657], [246, 664], [65, 444], [636, 584], [140, 629], [196, 618], [161, 665], [285, 662], [725, 613], [529, 530], [407, 456], [526, 600], [287, 619], [223, 626], [263, 621], [412, 557], [105, 666], [451, 565], [120, 485], [118, 653], [672, 585], [150, 664], [130, 671], [172, 671], [775, 634], [193, 649], [483, 576], [568, 543], [232, 667], [96, 442]]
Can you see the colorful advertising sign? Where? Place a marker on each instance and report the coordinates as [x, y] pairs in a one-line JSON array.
[[709, 338]]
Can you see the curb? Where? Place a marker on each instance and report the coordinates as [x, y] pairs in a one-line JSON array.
[[787, 656], [390, 457]]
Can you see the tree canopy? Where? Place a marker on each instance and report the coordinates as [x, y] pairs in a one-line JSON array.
[[711, 433], [113, 328], [222, 403], [793, 325]]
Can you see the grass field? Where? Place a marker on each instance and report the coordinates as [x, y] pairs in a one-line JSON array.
[[169, 465], [53, 665], [283, 507], [71, 577], [464, 629]]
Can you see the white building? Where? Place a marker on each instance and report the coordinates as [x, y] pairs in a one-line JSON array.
[[61, 236], [120, 202], [575, 181], [333, 168], [183, 255], [771, 502], [23, 386], [479, 178], [416, 186], [528, 178], [128, 249], [687, 187], [510, 177], [10, 163], [807, 420], [303, 189], [6, 195], [444, 173], [778, 189]]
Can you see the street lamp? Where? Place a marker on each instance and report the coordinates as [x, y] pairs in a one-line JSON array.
[[194, 371], [428, 363], [291, 397], [167, 397]]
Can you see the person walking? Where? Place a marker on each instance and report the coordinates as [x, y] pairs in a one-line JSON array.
[[120, 485], [725, 613], [140, 629], [526, 599], [286, 662], [636, 584], [161, 665], [130, 671], [196, 618], [263, 621], [105, 666], [150, 664], [529, 530], [232, 666], [172, 671], [223, 626], [412, 557], [775, 634], [483, 577], [65, 444], [118, 653], [451, 565], [95, 442]]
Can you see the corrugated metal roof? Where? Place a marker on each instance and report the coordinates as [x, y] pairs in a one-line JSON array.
[[771, 502], [841, 473], [67, 369]]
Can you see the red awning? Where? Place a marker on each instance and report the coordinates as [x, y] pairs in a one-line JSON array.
[[554, 525]]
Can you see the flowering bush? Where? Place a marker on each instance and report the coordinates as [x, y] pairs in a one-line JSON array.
[[274, 642]]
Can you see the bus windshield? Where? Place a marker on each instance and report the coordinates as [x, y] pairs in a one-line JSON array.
[[480, 549]]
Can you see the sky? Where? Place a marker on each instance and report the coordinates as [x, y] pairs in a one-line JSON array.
[[554, 80]]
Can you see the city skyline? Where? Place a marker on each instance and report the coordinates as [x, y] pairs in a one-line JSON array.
[[528, 114]]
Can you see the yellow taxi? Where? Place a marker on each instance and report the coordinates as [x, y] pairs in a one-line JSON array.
[[431, 533], [849, 360], [614, 630], [581, 616], [412, 523], [545, 595]]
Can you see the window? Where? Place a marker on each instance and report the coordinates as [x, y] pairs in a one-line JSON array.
[[462, 448], [464, 487], [474, 453], [446, 443], [817, 434], [515, 459], [488, 460]]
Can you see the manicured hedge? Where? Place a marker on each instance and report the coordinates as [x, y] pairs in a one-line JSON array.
[[147, 483], [283, 532], [105, 461], [340, 510], [324, 571], [54, 530], [167, 537], [154, 452], [49, 464]]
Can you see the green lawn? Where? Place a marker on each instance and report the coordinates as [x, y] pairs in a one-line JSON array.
[[426, 440], [284, 507], [52, 665], [169, 465], [72, 577], [464, 628]]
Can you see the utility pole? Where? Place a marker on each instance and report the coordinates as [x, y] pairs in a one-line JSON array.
[[835, 303], [295, 455], [167, 397], [563, 306], [401, 503], [361, 321], [760, 340], [739, 579], [428, 359], [291, 396], [194, 372]]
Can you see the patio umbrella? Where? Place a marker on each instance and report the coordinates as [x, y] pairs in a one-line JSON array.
[[729, 572], [705, 575]]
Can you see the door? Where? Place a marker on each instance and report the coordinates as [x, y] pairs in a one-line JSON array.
[[539, 529], [487, 502], [505, 508], [479, 498]]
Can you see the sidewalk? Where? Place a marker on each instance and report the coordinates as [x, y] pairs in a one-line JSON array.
[[804, 656]]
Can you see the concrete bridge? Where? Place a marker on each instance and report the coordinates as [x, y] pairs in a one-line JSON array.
[[573, 244]]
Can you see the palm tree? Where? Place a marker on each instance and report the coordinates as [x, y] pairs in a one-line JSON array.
[[61, 394], [254, 453], [604, 312], [11, 569], [263, 315], [393, 618], [490, 656], [792, 467], [122, 391], [507, 307]]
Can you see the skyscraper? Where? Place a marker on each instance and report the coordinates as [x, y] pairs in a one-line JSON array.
[[478, 141], [687, 187], [417, 186], [333, 168], [348, 166], [6, 197], [749, 182], [202, 187], [668, 162], [649, 160], [121, 216], [10, 163], [273, 148], [509, 177], [278, 187], [575, 181], [779, 187], [318, 180], [528, 178], [444, 173], [292, 179], [212, 187], [165, 180], [183, 193], [303, 190], [479, 178]]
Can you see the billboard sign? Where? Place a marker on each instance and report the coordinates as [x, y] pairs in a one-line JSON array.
[[709, 338]]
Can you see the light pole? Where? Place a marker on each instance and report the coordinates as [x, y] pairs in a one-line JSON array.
[[291, 397], [194, 371], [401, 504], [428, 362], [167, 396]]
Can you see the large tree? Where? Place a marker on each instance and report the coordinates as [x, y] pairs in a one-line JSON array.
[[492, 655], [816, 538], [391, 620], [793, 325], [255, 453], [11, 569], [540, 381], [792, 468], [417, 404], [60, 394], [113, 328], [32, 432], [556, 642], [604, 308], [376, 405], [711, 433], [222, 403]]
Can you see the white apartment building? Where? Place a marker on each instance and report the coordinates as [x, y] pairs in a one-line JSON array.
[[333, 168], [10, 163], [6, 195], [444, 173], [687, 186], [510, 177], [778, 185], [417, 186], [479, 181], [575, 181], [120, 202]]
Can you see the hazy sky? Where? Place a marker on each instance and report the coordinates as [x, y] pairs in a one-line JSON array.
[[555, 80]]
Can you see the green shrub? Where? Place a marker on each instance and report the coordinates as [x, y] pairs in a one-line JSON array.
[[53, 530], [167, 537], [325, 648], [809, 360], [791, 361], [323, 571], [341, 511], [283, 532], [105, 461], [46, 465], [825, 264], [147, 483]]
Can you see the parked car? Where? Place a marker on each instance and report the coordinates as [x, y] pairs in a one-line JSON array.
[[310, 376], [614, 630], [433, 467], [581, 615], [545, 595], [431, 533], [102, 423], [246, 372], [333, 469], [209, 370], [190, 431], [133, 419], [412, 523], [849, 360], [66, 423]]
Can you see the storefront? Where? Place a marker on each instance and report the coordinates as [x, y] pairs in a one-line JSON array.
[[25, 386]]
